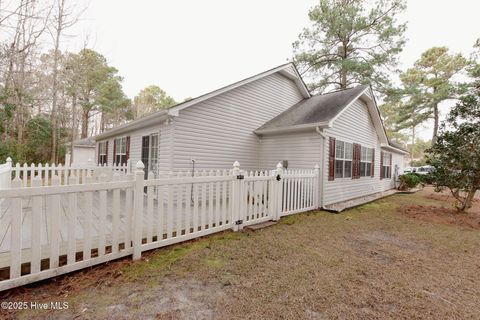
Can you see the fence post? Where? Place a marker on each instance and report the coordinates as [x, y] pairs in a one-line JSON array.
[[277, 192], [236, 197], [9, 166], [138, 210], [317, 187]]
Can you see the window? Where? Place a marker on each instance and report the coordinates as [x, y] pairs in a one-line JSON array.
[[153, 161], [366, 162], [343, 159], [102, 152], [386, 167], [120, 150], [348, 160]]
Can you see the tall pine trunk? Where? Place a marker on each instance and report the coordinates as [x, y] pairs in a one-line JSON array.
[[74, 126], [436, 120], [85, 116]]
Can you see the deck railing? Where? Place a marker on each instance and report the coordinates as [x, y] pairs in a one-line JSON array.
[[50, 229]]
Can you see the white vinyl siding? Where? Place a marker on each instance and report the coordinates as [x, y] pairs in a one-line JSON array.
[[219, 131], [302, 150], [353, 126]]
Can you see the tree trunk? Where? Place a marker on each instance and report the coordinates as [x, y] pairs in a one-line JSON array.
[[74, 126], [85, 116], [53, 115], [436, 120], [467, 202], [412, 148]]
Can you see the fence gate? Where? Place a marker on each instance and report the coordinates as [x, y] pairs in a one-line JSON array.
[[256, 197]]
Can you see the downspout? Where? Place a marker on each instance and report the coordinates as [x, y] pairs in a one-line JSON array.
[[324, 138]]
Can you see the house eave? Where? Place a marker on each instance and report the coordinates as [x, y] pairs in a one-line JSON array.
[[301, 127], [155, 118], [390, 148]]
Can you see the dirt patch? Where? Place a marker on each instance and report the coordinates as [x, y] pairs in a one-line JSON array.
[[447, 197], [444, 215]]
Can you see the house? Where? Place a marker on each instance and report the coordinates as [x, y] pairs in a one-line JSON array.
[[261, 121], [83, 151]]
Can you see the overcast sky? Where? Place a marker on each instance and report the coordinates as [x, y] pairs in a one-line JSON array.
[[189, 47]]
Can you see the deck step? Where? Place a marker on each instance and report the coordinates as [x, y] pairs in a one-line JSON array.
[[261, 225]]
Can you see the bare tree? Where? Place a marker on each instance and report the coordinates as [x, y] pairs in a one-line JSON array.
[[62, 18]]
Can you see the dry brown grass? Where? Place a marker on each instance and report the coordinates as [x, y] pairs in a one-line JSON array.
[[370, 262]]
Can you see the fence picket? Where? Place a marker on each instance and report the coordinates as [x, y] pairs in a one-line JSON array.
[[36, 228], [115, 216], [149, 224], [87, 226], [102, 219], [72, 222], [210, 202], [16, 234], [203, 202], [179, 213], [195, 217], [170, 210], [160, 213], [188, 207], [55, 227]]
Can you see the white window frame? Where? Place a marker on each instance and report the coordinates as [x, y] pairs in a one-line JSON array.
[[386, 165], [344, 158], [153, 152], [102, 152], [120, 144], [366, 160]]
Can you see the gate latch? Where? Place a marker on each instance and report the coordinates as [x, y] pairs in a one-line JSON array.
[[240, 177], [278, 177]]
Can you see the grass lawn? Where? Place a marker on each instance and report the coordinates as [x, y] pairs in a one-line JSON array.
[[373, 261]]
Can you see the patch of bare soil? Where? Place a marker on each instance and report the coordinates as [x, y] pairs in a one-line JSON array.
[[443, 210], [442, 215]]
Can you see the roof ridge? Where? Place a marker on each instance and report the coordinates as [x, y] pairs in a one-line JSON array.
[[341, 90]]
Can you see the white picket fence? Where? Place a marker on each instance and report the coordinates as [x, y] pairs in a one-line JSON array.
[[56, 229], [46, 171]]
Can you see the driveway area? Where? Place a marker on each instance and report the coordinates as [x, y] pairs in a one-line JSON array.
[[384, 259]]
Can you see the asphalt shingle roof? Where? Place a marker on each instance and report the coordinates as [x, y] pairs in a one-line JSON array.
[[321, 108]]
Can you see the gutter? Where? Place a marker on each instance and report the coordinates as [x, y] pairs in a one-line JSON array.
[[321, 173], [299, 127], [389, 147]]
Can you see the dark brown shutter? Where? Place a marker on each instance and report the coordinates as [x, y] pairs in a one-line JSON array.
[[373, 162], [331, 159], [114, 151], [106, 152], [127, 151], [390, 170], [357, 155], [98, 158], [354, 162], [381, 165]]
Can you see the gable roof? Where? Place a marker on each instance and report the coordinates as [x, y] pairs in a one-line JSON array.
[[288, 70], [320, 109]]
